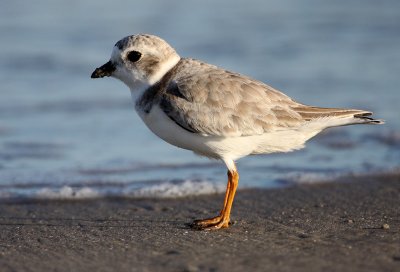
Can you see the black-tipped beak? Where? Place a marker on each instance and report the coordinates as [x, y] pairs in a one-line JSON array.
[[104, 71]]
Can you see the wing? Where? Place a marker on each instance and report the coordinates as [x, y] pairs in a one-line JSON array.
[[213, 101]]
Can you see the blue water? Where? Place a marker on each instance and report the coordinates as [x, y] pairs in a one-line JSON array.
[[63, 133]]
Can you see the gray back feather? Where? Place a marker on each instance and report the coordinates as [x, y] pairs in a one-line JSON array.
[[205, 99]]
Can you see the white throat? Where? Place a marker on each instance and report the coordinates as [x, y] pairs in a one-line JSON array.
[[137, 91]]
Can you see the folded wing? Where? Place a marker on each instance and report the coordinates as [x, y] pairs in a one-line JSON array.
[[212, 101]]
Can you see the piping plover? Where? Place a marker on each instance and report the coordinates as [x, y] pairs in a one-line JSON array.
[[214, 112]]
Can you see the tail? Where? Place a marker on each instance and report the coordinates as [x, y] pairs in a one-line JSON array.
[[364, 117], [337, 117]]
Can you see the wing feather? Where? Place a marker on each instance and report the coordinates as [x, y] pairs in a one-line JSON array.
[[211, 101]]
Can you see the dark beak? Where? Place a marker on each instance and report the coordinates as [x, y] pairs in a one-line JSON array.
[[104, 71]]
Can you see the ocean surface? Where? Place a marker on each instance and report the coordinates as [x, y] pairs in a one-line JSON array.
[[64, 135]]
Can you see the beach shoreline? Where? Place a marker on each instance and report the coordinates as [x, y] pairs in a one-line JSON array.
[[351, 225]]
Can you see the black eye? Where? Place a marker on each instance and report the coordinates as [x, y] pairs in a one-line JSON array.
[[134, 56]]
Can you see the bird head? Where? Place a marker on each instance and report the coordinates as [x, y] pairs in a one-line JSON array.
[[139, 61]]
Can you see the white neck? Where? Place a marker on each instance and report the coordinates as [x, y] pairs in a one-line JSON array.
[[138, 89], [164, 68]]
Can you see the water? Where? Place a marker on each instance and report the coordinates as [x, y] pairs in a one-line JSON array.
[[65, 135]]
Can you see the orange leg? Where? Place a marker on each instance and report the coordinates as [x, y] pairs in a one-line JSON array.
[[222, 220], [214, 220]]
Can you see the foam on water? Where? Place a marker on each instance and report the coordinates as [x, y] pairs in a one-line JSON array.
[[167, 189], [312, 178], [170, 189], [67, 192], [178, 189]]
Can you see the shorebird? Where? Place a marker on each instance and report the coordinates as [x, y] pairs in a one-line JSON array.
[[214, 112]]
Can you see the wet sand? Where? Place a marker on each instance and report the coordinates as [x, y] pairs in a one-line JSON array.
[[353, 225]]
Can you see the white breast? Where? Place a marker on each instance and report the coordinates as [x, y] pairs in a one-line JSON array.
[[161, 125]]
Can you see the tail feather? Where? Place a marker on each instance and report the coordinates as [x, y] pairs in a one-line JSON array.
[[352, 116], [369, 120]]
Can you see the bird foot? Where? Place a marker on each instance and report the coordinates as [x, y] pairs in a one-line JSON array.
[[214, 223]]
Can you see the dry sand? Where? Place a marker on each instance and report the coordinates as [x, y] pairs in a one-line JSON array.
[[343, 226]]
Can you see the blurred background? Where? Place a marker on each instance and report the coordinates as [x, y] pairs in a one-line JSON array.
[[65, 135]]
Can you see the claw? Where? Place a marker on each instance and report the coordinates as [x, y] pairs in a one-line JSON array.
[[206, 222], [214, 223]]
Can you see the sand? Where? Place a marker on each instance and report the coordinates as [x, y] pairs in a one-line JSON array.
[[351, 225]]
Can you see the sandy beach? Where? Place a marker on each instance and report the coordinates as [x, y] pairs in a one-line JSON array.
[[352, 225]]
